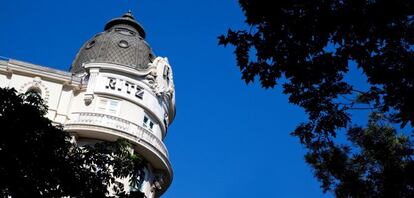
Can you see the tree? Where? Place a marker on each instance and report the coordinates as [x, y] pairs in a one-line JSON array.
[[379, 165], [39, 159], [309, 46]]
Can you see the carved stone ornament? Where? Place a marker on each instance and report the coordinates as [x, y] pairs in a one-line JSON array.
[[84, 78], [37, 84], [151, 80], [88, 99]]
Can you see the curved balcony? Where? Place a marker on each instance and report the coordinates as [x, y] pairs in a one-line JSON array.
[[109, 128], [119, 124]]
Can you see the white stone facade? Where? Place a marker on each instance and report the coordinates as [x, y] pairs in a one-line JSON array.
[[108, 102]]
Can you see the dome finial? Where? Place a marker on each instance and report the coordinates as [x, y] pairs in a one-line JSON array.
[[126, 19], [129, 15]]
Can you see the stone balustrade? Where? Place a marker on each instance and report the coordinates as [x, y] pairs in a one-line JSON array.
[[118, 124]]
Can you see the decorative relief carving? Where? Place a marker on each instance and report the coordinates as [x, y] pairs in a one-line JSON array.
[[164, 84], [84, 78], [36, 83], [88, 99], [151, 78]]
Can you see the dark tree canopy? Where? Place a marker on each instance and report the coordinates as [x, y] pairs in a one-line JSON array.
[[39, 160], [379, 165], [308, 46]]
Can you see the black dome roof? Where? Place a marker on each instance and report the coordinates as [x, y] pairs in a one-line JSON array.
[[122, 42]]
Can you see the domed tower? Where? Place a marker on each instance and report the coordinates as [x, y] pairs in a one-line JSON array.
[[127, 92]]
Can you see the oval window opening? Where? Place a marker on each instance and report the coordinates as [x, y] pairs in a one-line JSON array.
[[123, 44], [90, 44]]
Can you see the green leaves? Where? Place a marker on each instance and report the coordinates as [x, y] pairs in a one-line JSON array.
[[38, 159]]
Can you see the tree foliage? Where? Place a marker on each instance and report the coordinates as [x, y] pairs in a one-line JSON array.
[[379, 165], [309, 47], [38, 159]]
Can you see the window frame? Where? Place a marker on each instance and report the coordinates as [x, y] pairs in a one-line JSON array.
[[107, 109], [149, 123]]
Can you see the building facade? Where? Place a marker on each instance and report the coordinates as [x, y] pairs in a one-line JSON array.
[[116, 88]]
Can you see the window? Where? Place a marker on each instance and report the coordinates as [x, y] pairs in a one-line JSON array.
[[145, 121], [108, 106], [101, 106], [113, 107], [123, 44], [148, 123], [90, 44]]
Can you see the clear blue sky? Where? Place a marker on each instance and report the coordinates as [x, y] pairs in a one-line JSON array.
[[229, 139]]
